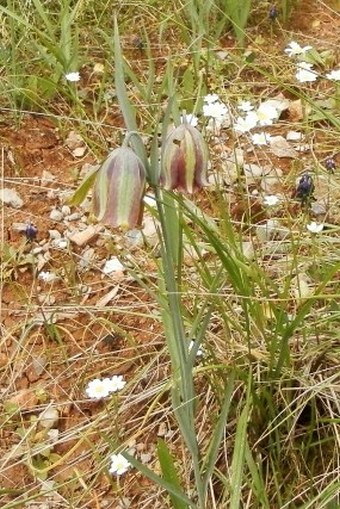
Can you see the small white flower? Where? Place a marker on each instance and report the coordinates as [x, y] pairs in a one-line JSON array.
[[72, 76], [314, 227], [334, 75], [294, 49], [119, 464], [266, 114], [113, 265], [305, 72], [216, 110], [245, 106], [243, 125], [98, 389], [199, 352], [47, 276], [189, 119], [116, 383], [271, 200], [260, 138], [211, 98]]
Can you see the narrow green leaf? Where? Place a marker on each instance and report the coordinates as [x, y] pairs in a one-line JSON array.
[[158, 480], [169, 472], [210, 459], [83, 189], [128, 111], [238, 460], [257, 481]]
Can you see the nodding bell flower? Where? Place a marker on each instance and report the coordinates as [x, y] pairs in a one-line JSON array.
[[119, 189], [184, 160]]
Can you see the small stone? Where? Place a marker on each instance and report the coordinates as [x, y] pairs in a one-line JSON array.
[[253, 173], [74, 140], [19, 227], [49, 418], [79, 151], [86, 258], [54, 234], [52, 194], [65, 210], [113, 266], [80, 238], [269, 230], [61, 243], [56, 215], [318, 209], [73, 217], [162, 430], [36, 368], [145, 458], [11, 197], [53, 434], [134, 238], [47, 178], [294, 136], [281, 148]]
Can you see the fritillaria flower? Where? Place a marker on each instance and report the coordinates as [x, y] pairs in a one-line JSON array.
[[184, 160], [119, 189]]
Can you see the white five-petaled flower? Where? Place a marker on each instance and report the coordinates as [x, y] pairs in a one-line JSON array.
[[189, 118], [334, 75], [211, 99], [72, 76], [245, 106], [216, 110], [271, 200], [98, 388], [101, 387], [305, 72], [266, 113], [116, 383], [294, 49], [260, 138], [119, 464], [47, 276], [243, 125], [314, 227]]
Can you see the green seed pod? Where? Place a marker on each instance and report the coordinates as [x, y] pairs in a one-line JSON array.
[[184, 160], [119, 189]]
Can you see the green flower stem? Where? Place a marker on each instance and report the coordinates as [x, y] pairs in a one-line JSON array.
[[183, 393]]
